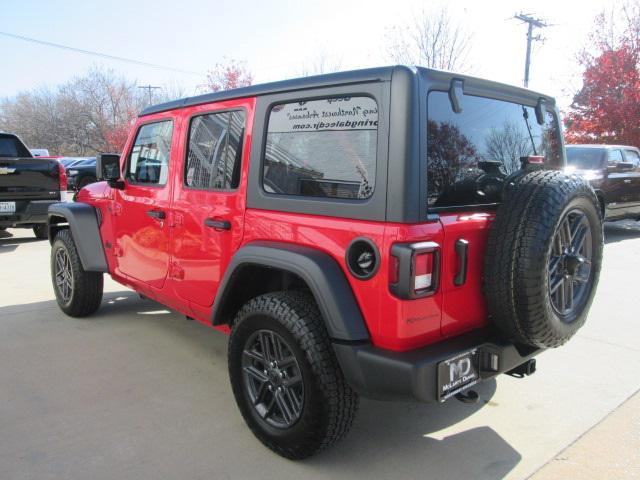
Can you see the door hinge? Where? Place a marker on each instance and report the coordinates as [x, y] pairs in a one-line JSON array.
[[114, 208], [177, 220], [176, 271]]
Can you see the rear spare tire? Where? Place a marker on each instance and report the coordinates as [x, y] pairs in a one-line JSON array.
[[543, 258]]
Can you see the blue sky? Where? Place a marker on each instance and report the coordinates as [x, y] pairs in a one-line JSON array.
[[277, 39]]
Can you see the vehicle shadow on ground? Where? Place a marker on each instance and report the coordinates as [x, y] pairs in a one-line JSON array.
[[621, 230], [382, 430], [388, 439], [9, 244]]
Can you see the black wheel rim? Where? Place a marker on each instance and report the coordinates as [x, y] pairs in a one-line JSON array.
[[569, 271], [272, 379], [63, 274]]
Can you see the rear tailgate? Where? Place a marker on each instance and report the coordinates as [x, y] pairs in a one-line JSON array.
[[29, 179]]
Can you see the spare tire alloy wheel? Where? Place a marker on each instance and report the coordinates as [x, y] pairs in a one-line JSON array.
[[570, 265], [273, 379], [543, 258]]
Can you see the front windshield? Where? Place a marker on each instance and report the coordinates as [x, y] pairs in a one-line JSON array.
[[585, 158]]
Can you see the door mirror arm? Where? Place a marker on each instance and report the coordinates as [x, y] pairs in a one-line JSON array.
[[116, 183]]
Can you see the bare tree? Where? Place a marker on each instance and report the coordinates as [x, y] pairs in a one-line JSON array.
[[89, 114], [320, 63], [433, 40], [507, 145]]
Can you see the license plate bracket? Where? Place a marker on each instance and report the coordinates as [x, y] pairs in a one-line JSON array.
[[458, 373]]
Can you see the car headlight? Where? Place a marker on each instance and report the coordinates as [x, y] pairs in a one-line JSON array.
[[72, 173]]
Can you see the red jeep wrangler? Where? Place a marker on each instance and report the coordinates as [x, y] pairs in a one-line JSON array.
[[393, 233]]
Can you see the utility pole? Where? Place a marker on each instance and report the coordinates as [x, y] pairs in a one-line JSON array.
[[148, 88], [533, 23]]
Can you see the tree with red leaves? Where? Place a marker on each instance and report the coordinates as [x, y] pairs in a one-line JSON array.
[[227, 75], [607, 107]]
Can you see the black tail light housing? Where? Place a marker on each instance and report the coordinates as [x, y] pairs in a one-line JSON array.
[[414, 269]]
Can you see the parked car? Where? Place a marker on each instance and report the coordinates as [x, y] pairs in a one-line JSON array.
[[81, 173], [70, 161], [614, 173], [28, 186], [39, 152], [354, 234]]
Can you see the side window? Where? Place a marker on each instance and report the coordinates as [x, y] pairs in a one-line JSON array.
[[472, 153], [633, 157], [215, 151], [322, 148], [149, 159], [614, 157]]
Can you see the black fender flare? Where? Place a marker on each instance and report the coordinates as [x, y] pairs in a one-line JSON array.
[[85, 230], [322, 274]]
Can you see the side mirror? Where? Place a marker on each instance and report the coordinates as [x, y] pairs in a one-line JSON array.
[[108, 168]]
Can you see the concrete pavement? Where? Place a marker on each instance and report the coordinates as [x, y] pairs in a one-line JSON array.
[[138, 392]]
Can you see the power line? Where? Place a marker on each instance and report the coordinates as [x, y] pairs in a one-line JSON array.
[[98, 54], [533, 23]]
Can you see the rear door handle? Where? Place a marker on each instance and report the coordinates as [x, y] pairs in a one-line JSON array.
[[157, 214], [462, 250], [627, 180], [218, 224]]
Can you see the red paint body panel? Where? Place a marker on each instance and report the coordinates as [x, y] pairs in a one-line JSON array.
[[464, 306], [200, 254], [180, 262]]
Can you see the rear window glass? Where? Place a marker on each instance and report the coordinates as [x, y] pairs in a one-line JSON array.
[[11, 147], [470, 154], [585, 158], [215, 148], [322, 148], [632, 156]]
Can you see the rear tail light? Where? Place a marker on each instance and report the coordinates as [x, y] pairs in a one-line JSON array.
[[532, 160], [414, 269], [62, 175], [422, 271]]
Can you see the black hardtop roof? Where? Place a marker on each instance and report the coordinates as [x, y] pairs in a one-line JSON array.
[[379, 74]]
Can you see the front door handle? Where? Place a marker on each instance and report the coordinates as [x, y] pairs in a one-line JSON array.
[[462, 250], [218, 224], [157, 214], [627, 180]]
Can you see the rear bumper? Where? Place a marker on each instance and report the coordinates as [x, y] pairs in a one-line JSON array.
[[413, 375], [27, 213]]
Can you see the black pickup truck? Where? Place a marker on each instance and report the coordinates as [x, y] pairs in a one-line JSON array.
[[28, 186]]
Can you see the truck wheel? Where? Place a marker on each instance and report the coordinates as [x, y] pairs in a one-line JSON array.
[[543, 259], [285, 377], [41, 231], [78, 292]]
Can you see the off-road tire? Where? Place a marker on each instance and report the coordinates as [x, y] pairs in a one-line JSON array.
[[519, 248], [329, 405], [86, 287], [41, 231]]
